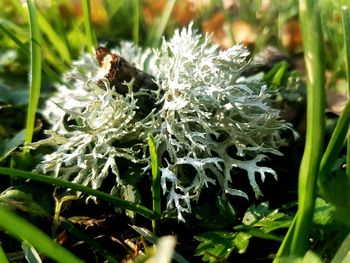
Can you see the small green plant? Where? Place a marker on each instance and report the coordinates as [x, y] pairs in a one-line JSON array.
[[259, 221], [315, 167]]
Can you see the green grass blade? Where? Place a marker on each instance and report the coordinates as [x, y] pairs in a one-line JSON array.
[[77, 187], [335, 144], [136, 22], [155, 180], [346, 32], [93, 243], [347, 171], [343, 253], [3, 257], [160, 27], [284, 249], [309, 15], [52, 74], [13, 37], [54, 38], [35, 72], [87, 24], [23, 230]]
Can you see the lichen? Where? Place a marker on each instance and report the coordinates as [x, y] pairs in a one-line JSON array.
[[209, 121]]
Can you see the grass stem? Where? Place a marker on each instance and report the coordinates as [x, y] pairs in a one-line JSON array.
[[35, 73], [87, 24], [309, 14], [156, 198], [23, 230], [136, 22], [158, 30], [346, 32], [77, 187]]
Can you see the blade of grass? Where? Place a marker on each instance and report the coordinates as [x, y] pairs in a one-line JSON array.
[[346, 32], [309, 14], [77, 187], [54, 39], [52, 74], [23, 230], [3, 257], [113, 6], [58, 23], [158, 30], [136, 22], [35, 73], [30, 253], [13, 37], [335, 144], [87, 24], [155, 181], [13, 27], [284, 249], [343, 253], [93, 243], [341, 129]]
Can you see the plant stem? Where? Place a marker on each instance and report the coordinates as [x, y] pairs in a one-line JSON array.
[[158, 30], [335, 144], [77, 187], [136, 22], [52, 74], [35, 73], [309, 14], [284, 249], [155, 181], [23, 230], [3, 257], [346, 32], [54, 38], [87, 24]]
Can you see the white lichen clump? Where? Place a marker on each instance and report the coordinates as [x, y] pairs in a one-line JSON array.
[[210, 123]]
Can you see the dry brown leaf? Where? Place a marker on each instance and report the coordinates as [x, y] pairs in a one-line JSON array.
[[183, 12], [243, 32], [86, 221], [291, 36], [98, 11], [152, 9], [215, 26]]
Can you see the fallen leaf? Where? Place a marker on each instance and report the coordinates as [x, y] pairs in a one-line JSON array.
[[291, 36], [98, 11], [183, 12], [215, 26], [152, 9], [243, 32]]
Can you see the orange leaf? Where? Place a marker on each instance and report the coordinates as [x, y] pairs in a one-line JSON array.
[[243, 32], [291, 36]]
